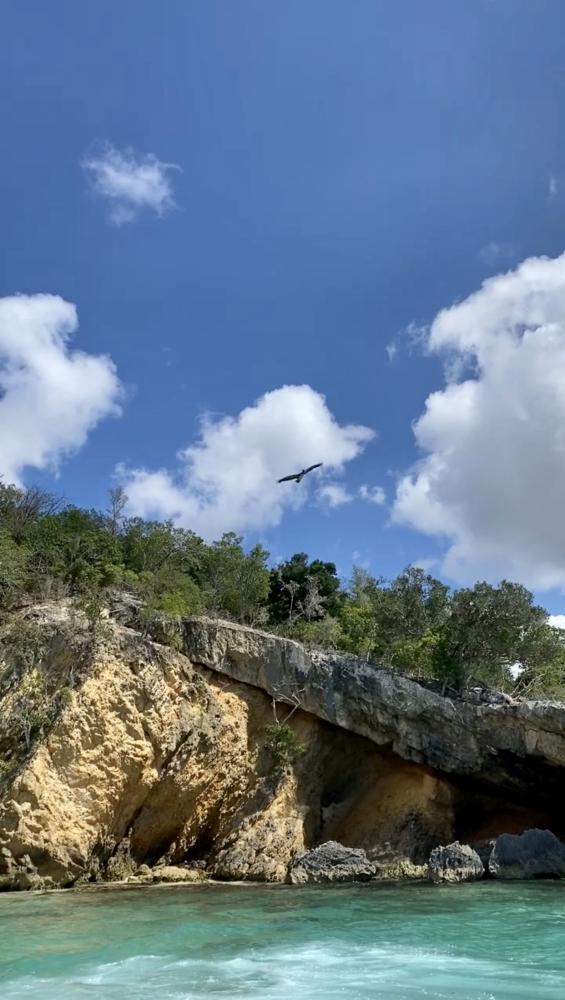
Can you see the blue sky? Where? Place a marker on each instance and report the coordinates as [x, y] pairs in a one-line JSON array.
[[345, 172]]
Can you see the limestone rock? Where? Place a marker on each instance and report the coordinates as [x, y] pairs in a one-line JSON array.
[[419, 724], [532, 854], [174, 873], [331, 862], [403, 869], [20, 874], [161, 755], [158, 757], [258, 850], [455, 863], [484, 849]]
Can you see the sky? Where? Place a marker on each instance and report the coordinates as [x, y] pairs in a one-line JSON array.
[[244, 236]]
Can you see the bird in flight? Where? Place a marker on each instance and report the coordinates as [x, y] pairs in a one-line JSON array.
[[299, 476]]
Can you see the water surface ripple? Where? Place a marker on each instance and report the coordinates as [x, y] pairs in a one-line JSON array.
[[488, 941]]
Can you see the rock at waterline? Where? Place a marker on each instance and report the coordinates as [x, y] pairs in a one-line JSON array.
[[331, 862], [455, 863], [175, 873], [484, 849], [532, 854], [20, 874]]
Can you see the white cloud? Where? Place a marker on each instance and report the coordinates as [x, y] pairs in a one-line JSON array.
[[557, 621], [391, 351], [553, 187], [492, 479], [428, 564], [334, 495], [373, 494], [50, 396], [227, 480], [131, 182]]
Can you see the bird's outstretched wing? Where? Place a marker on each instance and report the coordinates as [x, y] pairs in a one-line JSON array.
[[298, 476]]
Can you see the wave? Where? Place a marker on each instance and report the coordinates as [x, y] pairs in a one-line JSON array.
[[310, 971]]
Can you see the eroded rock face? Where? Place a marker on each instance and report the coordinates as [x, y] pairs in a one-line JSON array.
[[159, 757], [156, 759], [453, 737], [400, 870], [176, 873], [151, 748], [331, 862], [484, 849], [455, 863], [532, 854], [20, 874]]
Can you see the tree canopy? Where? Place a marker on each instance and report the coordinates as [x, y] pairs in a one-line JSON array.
[[483, 634]]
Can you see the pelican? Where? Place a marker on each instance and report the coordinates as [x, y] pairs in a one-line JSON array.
[[297, 477]]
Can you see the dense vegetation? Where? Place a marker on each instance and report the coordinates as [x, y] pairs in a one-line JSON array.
[[413, 623]]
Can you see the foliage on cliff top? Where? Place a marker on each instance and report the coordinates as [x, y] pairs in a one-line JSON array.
[[414, 623]]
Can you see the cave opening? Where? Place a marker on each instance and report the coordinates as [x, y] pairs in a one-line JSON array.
[[525, 794]]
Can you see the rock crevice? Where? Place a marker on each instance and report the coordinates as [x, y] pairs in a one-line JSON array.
[[168, 751]]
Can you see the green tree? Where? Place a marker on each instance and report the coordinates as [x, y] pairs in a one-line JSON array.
[[359, 628], [234, 581], [152, 546], [21, 508], [542, 662], [14, 564], [421, 657], [377, 617], [414, 603], [284, 748], [292, 586], [321, 633], [488, 630], [171, 594], [75, 547]]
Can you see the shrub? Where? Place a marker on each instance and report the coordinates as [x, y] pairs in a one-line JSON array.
[[284, 748]]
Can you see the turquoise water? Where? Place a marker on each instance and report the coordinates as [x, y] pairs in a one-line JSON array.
[[480, 942]]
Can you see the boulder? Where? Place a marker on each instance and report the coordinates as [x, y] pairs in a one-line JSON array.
[[331, 862], [455, 863], [400, 870], [532, 854], [484, 850], [20, 874]]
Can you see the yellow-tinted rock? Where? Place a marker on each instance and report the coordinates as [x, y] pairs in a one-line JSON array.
[[156, 759], [174, 873]]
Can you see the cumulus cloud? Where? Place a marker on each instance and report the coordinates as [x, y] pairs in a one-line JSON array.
[[373, 494], [334, 495], [557, 621], [492, 477], [50, 395], [227, 479], [131, 182], [429, 564]]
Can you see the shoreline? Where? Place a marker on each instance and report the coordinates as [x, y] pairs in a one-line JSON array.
[[241, 883]]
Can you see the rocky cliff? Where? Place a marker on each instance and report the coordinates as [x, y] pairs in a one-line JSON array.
[[161, 755]]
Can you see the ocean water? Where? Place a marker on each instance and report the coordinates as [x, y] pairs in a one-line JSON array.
[[472, 942]]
